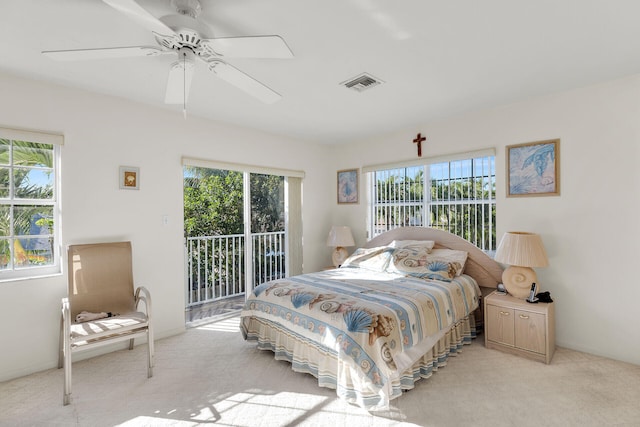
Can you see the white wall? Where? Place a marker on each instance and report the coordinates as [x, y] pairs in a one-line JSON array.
[[590, 231], [101, 133]]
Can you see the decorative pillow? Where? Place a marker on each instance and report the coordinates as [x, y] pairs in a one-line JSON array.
[[374, 259], [417, 245], [440, 264]]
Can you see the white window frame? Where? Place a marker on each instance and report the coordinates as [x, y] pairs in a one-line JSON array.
[[407, 208], [16, 272]]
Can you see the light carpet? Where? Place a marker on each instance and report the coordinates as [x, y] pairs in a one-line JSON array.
[[210, 376]]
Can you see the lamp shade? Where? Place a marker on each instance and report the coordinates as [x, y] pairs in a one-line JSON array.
[[340, 236], [522, 249]]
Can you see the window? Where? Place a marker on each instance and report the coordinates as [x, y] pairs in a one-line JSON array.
[[455, 195], [29, 221]]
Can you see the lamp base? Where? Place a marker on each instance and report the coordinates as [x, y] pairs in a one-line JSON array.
[[339, 255], [518, 280]]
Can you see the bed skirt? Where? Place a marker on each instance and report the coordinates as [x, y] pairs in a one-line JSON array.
[[338, 373]]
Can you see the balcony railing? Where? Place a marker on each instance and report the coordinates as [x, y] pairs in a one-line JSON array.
[[216, 269]]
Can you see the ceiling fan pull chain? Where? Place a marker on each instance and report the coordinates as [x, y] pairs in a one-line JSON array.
[[184, 85]]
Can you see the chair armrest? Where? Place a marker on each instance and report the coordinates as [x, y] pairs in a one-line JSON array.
[[145, 297], [66, 317], [65, 330]]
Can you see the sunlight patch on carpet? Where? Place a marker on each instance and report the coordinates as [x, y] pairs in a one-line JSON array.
[[227, 325]]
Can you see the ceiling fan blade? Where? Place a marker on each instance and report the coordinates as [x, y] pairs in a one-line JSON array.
[[179, 81], [104, 53], [232, 75], [248, 47], [140, 15]]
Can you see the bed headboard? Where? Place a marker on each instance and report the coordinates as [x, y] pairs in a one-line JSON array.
[[486, 271]]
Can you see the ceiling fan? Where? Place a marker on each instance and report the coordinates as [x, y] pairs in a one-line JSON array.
[[181, 35]]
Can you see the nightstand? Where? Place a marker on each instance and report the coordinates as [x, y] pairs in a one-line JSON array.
[[518, 327]]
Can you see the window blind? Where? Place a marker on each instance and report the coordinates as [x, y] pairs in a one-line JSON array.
[[239, 167], [32, 136]]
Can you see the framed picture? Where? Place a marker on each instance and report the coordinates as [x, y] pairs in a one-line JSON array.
[[348, 186], [533, 169], [129, 178]]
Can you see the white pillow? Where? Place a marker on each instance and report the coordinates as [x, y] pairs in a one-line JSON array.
[[374, 259], [416, 245]]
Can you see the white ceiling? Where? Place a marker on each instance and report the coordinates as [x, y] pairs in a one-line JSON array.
[[437, 57]]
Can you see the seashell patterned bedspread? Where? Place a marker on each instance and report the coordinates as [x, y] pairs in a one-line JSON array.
[[377, 324]]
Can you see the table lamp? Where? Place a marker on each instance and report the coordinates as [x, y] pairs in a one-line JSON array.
[[339, 237], [521, 251]]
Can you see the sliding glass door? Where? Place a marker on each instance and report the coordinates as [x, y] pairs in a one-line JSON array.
[[266, 230], [235, 230]]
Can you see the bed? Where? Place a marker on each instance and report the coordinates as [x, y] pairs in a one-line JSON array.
[[389, 316]]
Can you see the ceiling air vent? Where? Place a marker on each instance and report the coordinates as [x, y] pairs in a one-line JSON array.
[[362, 82]]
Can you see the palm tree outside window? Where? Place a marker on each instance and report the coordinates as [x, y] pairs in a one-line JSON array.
[[28, 207]]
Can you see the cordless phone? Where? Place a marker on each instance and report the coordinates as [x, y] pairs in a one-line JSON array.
[[532, 294]]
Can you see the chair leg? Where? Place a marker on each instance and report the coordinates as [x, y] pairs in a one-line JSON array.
[[131, 344], [150, 352], [61, 344], [66, 399]]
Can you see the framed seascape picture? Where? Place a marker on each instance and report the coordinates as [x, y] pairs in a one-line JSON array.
[[348, 186], [533, 169], [129, 178]]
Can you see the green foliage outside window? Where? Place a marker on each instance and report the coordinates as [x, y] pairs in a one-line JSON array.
[[26, 208], [213, 202], [460, 199], [213, 206]]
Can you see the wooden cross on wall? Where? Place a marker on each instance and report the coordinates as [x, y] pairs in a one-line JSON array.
[[419, 140]]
